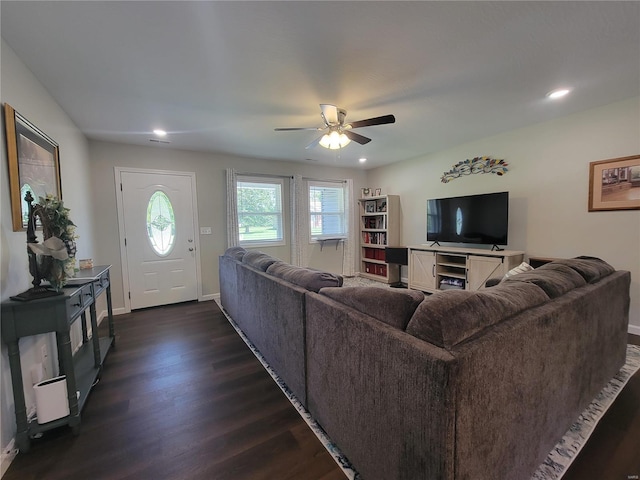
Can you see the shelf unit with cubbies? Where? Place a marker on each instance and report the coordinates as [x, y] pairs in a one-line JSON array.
[[379, 228], [434, 268]]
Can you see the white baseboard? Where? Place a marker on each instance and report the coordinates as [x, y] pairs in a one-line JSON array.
[[8, 454], [634, 330], [209, 297]]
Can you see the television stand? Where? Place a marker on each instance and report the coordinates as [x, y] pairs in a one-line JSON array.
[[433, 269]]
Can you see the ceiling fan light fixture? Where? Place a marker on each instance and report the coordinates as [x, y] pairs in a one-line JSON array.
[[334, 140]]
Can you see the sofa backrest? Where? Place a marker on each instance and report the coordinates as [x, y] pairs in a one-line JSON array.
[[393, 307], [554, 278], [307, 278], [447, 318], [235, 252], [592, 269], [258, 260]]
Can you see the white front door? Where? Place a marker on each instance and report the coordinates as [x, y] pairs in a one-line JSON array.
[[160, 241]]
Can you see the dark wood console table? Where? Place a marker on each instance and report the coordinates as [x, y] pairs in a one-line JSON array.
[[57, 314]]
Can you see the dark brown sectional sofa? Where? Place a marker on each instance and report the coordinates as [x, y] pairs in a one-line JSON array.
[[456, 385]]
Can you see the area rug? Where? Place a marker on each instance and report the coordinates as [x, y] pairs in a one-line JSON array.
[[556, 463]]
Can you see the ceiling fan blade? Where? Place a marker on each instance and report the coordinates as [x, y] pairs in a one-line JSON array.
[[315, 143], [356, 137], [370, 122], [297, 128], [329, 113]]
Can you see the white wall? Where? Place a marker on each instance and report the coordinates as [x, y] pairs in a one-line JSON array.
[[21, 90], [548, 182], [211, 196]]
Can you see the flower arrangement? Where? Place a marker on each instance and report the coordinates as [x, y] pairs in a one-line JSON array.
[[58, 250]]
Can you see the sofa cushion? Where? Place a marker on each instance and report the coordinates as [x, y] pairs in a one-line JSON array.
[[592, 269], [447, 318], [235, 252], [307, 278], [555, 279], [259, 260], [393, 307]]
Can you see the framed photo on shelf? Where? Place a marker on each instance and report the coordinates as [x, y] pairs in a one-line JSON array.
[[370, 207], [614, 184], [377, 192], [33, 162]]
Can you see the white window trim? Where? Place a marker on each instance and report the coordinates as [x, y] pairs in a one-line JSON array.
[[263, 243]]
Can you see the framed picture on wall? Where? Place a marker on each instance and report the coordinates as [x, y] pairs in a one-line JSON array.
[[34, 165], [614, 184]]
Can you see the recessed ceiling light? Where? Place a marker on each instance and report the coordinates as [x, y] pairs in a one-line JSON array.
[[362, 160], [160, 133], [558, 93]]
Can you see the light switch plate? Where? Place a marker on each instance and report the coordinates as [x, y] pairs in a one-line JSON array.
[[205, 230]]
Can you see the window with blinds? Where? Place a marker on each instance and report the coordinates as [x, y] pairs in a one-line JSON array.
[[327, 210]]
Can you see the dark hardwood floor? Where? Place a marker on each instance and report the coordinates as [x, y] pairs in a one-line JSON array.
[[182, 397]]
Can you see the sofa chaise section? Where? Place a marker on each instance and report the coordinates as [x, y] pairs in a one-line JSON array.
[[480, 385]]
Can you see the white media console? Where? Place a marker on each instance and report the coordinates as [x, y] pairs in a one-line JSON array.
[[439, 268]]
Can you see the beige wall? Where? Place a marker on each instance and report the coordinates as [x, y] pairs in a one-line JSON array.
[[22, 91], [211, 197], [548, 182]]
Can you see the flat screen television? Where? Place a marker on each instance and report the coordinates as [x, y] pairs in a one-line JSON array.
[[480, 219]]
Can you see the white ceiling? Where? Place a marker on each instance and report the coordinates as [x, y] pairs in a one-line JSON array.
[[220, 76]]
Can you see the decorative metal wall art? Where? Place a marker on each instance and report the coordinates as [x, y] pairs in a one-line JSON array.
[[475, 165]]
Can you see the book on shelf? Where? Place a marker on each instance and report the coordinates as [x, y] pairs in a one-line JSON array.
[[374, 238], [377, 223]]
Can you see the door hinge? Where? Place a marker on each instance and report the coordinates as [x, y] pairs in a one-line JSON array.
[[129, 295], [125, 242], [120, 186]]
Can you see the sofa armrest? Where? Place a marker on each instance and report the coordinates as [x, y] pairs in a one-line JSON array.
[[385, 397]]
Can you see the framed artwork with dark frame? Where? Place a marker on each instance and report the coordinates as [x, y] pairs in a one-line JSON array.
[[614, 184], [34, 164]]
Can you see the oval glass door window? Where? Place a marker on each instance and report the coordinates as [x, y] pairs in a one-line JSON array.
[[161, 224]]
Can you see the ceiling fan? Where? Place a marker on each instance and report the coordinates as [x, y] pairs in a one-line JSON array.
[[339, 134]]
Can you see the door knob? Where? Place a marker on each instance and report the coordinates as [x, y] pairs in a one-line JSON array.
[[191, 249]]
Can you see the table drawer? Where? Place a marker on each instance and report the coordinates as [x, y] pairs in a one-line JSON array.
[[79, 301], [102, 283]]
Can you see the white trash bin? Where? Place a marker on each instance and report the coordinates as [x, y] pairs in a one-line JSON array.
[[51, 399]]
